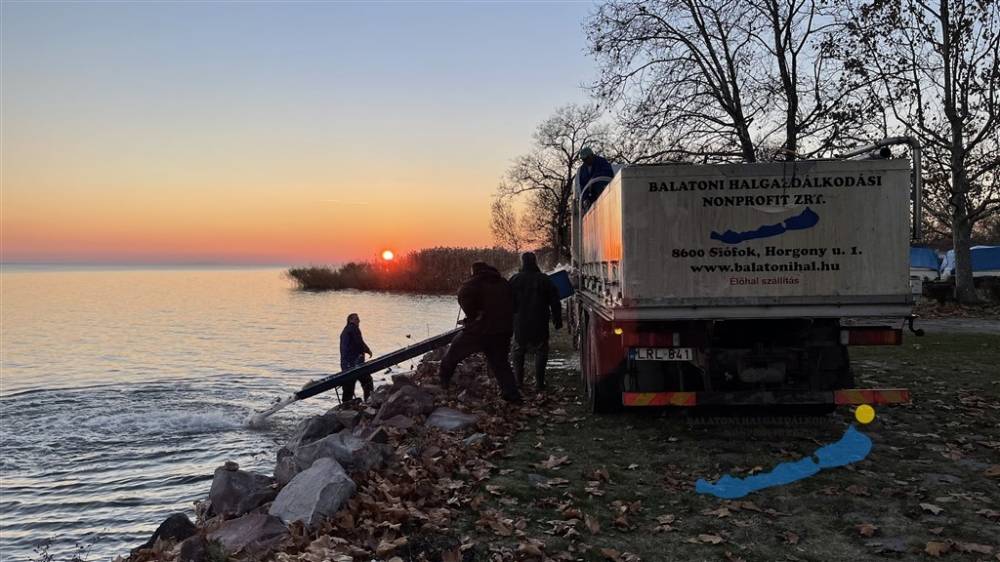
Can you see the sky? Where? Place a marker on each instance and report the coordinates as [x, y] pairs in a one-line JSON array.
[[278, 133]]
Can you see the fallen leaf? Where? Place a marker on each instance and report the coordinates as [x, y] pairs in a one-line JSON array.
[[936, 530], [931, 508], [790, 537], [532, 548], [936, 549], [730, 557], [992, 472], [973, 547], [989, 513], [866, 529], [710, 539], [553, 462], [592, 524], [857, 490], [611, 554], [721, 512], [453, 555], [632, 466]]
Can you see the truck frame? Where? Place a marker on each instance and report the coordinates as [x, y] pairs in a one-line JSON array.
[[744, 284]]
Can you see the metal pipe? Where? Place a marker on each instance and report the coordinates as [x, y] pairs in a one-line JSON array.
[[916, 180]]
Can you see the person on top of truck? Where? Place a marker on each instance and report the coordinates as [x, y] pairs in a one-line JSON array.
[[488, 303], [535, 295], [593, 166], [352, 353]]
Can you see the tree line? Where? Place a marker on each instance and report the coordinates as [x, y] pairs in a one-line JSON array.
[[712, 81]]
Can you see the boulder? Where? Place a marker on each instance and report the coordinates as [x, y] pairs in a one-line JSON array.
[[349, 418], [235, 492], [407, 401], [400, 422], [315, 428], [194, 549], [376, 435], [255, 534], [314, 493], [285, 468], [451, 420], [177, 527], [402, 379], [352, 452]]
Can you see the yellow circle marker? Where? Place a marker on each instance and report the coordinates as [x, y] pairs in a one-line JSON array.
[[864, 414]]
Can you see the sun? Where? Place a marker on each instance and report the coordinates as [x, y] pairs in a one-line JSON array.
[[387, 255]]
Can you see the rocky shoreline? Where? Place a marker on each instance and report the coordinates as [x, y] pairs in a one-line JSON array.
[[376, 481]]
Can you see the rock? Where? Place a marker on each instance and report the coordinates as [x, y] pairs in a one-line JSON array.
[[285, 468], [401, 422], [451, 420], [407, 401], [349, 418], [896, 545], [177, 527], [352, 452], [194, 549], [231, 465], [376, 435], [402, 379], [314, 493], [235, 492], [315, 428], [255, 534], [474, 439]]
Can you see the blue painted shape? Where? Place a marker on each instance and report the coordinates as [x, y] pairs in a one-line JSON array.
[[806, 219], [852, 447]]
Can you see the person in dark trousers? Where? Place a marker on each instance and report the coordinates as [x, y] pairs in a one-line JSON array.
[[488, 303], [535, 297], [593, 166], [352, 353]]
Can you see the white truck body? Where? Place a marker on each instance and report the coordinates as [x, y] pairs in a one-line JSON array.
[[776, 240]]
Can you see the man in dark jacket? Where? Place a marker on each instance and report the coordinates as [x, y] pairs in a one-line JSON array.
[[488, 304], [593, 166], [535, 295], [352, 353]]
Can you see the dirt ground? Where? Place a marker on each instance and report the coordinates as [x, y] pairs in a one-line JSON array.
[[578, 487]]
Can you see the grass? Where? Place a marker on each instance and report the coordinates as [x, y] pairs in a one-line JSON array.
[[937, 451]]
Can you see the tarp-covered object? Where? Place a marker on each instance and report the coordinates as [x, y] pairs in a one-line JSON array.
[[985, 261], [924, 258]]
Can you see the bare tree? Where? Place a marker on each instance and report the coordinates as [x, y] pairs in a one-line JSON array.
[[544, 176], [725, 79], [508, 231], [934, 67]]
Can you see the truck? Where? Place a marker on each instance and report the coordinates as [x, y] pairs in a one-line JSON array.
[[736, 285]]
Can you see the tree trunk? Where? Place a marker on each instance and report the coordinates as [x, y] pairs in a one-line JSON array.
[[961, 232]]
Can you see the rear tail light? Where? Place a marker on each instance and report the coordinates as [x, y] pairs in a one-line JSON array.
[[871, 336]]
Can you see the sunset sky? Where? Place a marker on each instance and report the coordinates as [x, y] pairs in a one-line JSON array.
[[269, 133]]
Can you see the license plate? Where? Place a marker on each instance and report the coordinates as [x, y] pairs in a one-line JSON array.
[[662, 353]]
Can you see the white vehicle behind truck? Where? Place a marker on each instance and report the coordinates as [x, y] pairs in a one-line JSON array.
[[729, 284]]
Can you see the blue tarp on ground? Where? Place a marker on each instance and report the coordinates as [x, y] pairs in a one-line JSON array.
[[984, 258], [924, 258]]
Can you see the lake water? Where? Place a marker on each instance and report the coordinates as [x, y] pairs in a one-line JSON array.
[[122, 390]]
